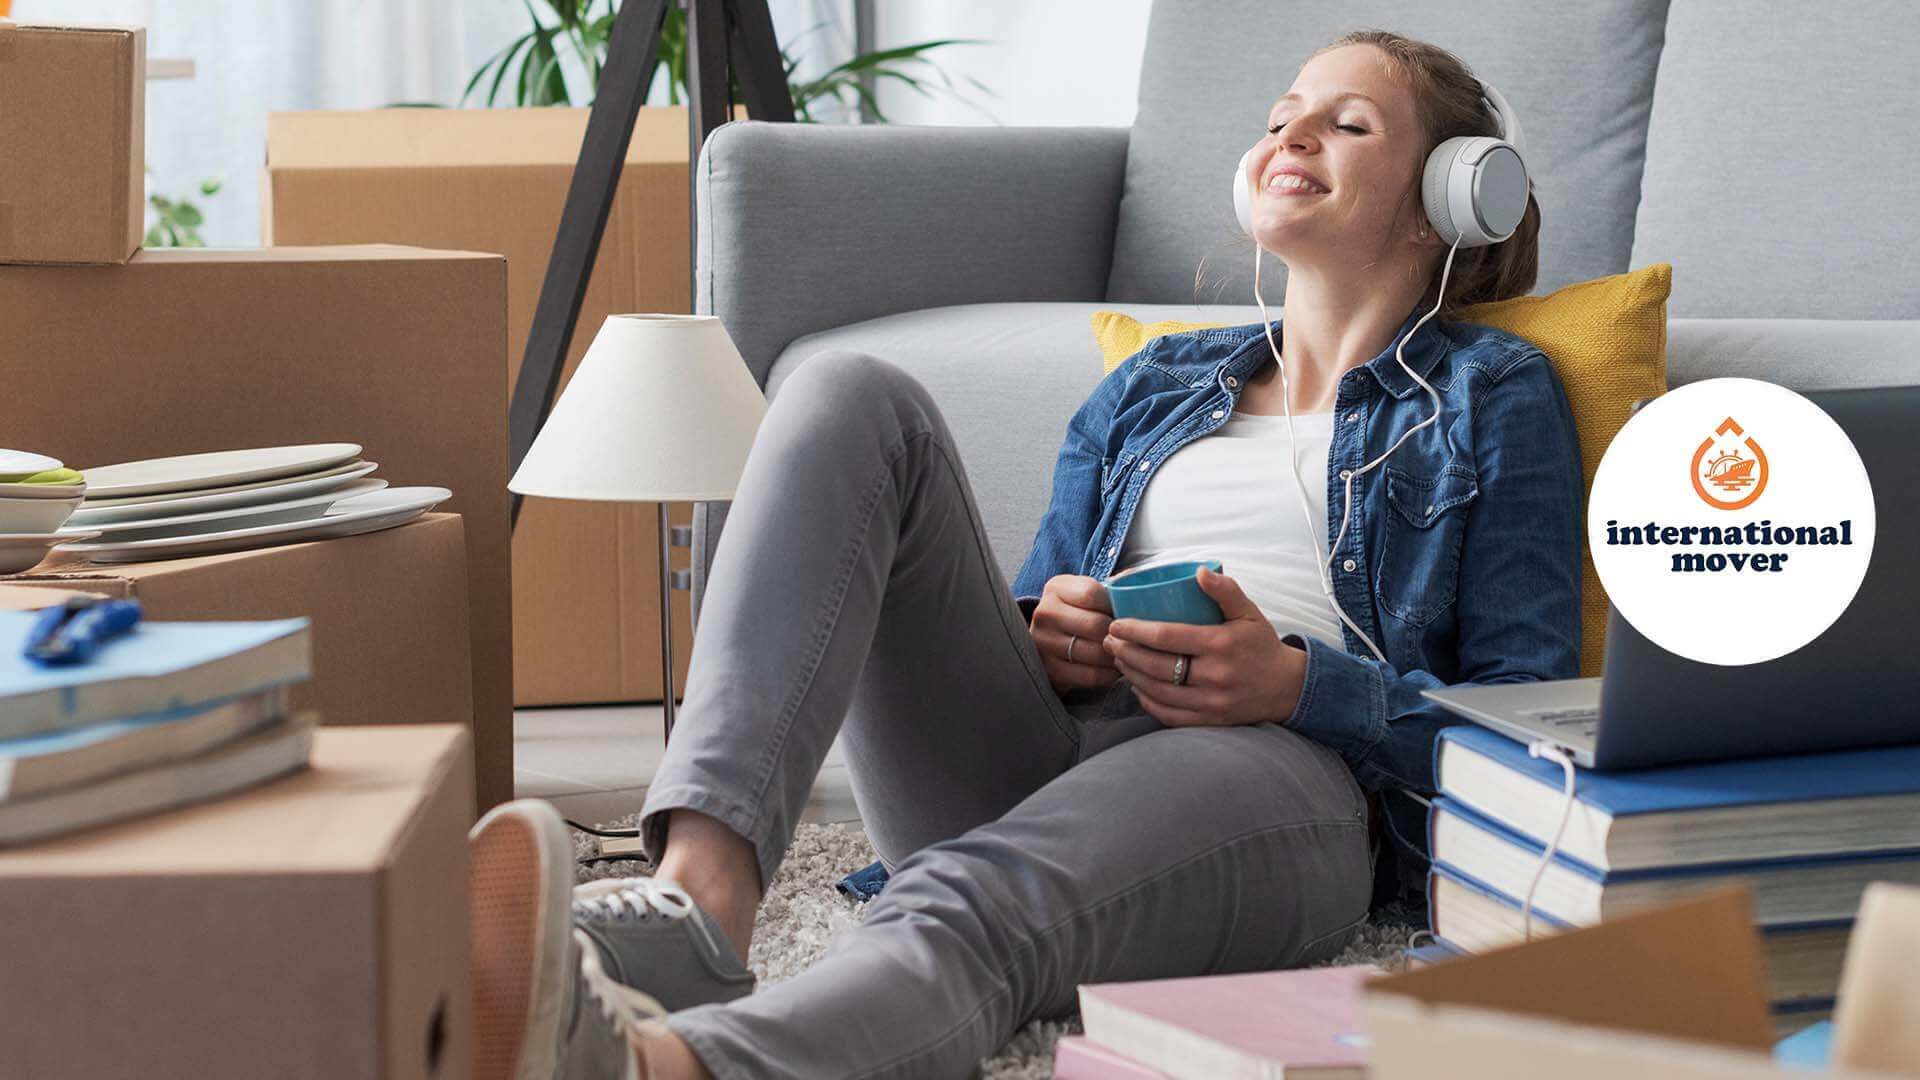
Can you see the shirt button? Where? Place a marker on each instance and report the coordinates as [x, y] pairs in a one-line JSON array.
[[1353, 417], [1349, 566], [1146, 464], [1113, 551], [1232, 382], [1429, 509], [1218, 413]]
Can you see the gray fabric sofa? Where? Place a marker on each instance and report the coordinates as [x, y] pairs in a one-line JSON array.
[[1769, 150]]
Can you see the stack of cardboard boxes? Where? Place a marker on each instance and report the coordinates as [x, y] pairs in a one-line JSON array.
[[111, 354], [315, 925]]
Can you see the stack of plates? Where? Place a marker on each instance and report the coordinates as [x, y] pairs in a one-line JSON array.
[[232, 500]]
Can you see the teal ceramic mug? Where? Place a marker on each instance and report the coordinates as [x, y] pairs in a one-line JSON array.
[[1169, 593]]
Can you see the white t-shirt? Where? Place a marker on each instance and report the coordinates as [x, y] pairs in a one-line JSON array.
[[1230, 496]]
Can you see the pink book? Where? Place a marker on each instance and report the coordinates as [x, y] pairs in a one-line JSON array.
[[1269, 1025], [1077, 1057]]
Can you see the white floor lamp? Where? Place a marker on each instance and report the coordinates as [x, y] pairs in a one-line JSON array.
[[662, 409]]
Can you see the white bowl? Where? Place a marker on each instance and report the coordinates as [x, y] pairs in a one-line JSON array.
[[35, 515], [24, 551], [42, 491]]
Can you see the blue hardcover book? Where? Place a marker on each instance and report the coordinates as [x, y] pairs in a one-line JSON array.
[[1785, 891], [156, 668], [1731, 811], [1803, 961]]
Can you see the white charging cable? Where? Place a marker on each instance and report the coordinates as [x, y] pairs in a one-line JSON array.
[[1293, 456], [1551, 753]]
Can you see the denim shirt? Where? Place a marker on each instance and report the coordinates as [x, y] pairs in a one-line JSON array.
[[1462, 560]]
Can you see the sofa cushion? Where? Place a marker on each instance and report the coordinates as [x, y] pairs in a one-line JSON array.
[[1781, 161], [1799, 354], [1580, 77], [1007, 377]]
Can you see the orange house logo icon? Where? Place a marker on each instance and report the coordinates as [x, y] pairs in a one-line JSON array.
[[1729, 469]]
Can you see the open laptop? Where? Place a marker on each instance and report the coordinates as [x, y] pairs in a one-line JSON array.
[[1856, 685]]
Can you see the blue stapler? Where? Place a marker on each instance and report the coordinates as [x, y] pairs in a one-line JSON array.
[[74, 631]]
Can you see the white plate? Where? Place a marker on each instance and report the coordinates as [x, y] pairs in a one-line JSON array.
[[183, 503], [41, 491], [362, 513], [357, 467], [24, 551], [26, 461], [197, 472], [232, 517]]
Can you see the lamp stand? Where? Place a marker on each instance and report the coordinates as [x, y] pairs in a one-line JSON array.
[[726, 40], [666, 625]]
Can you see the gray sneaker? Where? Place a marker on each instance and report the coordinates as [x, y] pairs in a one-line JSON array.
[[652, 937]]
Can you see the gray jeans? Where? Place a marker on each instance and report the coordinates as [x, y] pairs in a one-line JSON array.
[[1035, 843]]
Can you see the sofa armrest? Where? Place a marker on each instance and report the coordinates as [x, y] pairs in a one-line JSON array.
[[805, 227]]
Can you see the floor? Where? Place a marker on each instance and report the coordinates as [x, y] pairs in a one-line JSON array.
[[594, 762]]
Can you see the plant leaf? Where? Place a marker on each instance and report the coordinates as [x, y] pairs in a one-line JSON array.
[[506, 64], [481, 71]]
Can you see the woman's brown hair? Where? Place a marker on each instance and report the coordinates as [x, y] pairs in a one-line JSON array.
[[1447, 100]]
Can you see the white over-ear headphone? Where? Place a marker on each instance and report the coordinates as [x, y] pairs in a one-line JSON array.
[[1474, 187]]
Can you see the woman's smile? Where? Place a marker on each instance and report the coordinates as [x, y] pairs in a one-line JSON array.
[[1290, 179], [1293, 184]]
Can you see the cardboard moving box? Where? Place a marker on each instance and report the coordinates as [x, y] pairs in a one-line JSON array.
[[585, 575], [1677, 992], [389, 613], [314, 926], [73, 119], [185, 350]]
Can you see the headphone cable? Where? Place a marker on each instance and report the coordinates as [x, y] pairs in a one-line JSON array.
[[1293, 459]]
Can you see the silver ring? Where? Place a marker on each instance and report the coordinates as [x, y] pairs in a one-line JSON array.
[[1179, 670], [1070, 642]]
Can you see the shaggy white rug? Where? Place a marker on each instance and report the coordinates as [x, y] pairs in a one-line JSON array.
[[803, 913]]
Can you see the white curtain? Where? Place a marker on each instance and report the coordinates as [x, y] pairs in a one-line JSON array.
[[252, 58]]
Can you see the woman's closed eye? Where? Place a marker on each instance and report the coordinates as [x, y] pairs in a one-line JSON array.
[[1274, 129]]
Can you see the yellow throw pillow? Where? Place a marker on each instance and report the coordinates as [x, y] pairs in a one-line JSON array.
[[1120, 336], [1607, 339]]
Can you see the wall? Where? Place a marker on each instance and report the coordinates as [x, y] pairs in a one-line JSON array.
[[1058, 62]]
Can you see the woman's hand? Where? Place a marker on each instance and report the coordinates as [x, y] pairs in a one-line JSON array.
[[1238, 672], [1073, 615]]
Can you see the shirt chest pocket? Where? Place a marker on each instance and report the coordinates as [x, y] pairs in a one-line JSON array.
[[1419, 569]]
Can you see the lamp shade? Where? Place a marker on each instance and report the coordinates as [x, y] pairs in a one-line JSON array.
[[662, 409]]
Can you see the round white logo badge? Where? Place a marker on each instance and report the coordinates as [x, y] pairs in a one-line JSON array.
[[1731, 521]]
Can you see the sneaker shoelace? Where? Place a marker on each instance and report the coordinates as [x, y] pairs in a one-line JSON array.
[[637, 898]]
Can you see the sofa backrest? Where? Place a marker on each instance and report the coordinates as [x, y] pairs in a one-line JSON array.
[[1580, 77], [1783, 161]]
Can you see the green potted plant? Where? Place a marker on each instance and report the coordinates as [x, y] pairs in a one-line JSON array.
[[528, 71]]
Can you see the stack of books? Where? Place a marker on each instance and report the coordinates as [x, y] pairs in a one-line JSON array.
[[169, 714], [1804, 833], [1293, 1024]]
